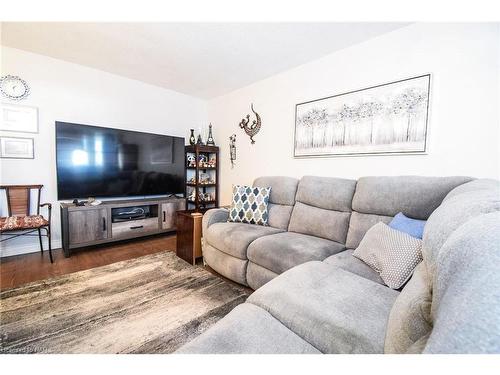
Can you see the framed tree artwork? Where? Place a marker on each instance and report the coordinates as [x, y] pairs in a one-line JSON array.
[[391, 118]]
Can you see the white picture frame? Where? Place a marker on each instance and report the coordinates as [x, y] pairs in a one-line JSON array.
[[19, 118], [387, 119], [16, 148]]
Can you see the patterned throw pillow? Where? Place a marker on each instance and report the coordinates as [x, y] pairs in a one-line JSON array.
[[249, 205], [393, 254]]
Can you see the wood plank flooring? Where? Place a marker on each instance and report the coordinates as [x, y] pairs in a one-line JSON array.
[[22, 269]]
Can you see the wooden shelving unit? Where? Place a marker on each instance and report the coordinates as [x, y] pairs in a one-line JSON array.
[[206, 194]]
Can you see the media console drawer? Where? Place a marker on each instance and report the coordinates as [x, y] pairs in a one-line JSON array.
[[133, 227]]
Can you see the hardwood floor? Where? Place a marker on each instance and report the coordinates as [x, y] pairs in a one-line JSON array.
[[22, 269]]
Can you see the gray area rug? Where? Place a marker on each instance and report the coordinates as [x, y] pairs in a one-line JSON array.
[[151, 304]]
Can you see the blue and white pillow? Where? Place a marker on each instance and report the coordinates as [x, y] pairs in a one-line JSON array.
[[250, 205], [413, 227]]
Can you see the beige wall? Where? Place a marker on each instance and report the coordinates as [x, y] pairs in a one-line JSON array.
[[464, 113]]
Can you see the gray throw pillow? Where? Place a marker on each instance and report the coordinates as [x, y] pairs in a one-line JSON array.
[[393, 254]]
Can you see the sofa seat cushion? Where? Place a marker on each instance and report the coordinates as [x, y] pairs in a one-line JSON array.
[[334, 310], [348, 262], [248, 329], [234, 238], [282, 251]]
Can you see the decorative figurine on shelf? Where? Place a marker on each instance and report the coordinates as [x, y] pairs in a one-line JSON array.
[[210, 139], [212, 162], [205, 179], [191, 160], [192, 139], [192, 195], [202, 161], [207, 197], [199, 142], [232, 149], [192, 180], [253, 129]]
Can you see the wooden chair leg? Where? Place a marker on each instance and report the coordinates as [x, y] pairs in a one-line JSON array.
[[40, 239], [50, 244]]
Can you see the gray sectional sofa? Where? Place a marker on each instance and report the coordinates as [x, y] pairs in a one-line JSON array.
[[313, 296]]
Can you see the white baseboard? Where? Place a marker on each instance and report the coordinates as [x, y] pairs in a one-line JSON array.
[[26, 249]]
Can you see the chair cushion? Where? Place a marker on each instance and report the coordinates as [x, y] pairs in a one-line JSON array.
[[282, 251], [22, 222], [248, 329], [234, 238], [348, 262], [334, 310]]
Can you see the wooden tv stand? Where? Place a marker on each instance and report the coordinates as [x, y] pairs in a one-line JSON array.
[[88, 225]]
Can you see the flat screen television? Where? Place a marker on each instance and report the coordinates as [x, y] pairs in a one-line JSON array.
[[93, 161]]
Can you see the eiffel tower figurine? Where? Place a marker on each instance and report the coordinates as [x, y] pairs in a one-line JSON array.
[[210, 139]]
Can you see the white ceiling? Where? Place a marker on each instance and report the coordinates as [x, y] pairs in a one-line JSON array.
[[200, 59]]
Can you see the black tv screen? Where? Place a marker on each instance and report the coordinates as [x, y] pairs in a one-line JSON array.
[[94, 161]]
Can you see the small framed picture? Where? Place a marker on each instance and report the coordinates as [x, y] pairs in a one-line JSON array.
[[16, 148], [19, 118]]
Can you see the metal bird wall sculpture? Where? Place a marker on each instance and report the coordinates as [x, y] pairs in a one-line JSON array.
[[252, 129]]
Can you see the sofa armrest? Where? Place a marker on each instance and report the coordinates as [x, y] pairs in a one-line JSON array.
[[215, 215]]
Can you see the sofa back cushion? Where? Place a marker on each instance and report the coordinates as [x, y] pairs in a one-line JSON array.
[[359, 224], [469, 201], [323, 207], [381, 198], [475, 185], [282, 199], [466, 289], [410, 318]]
